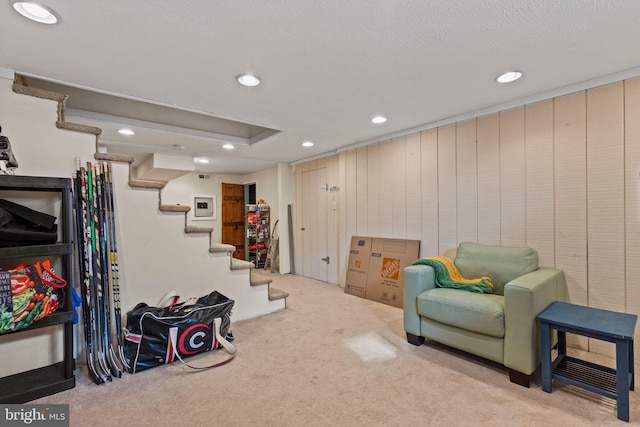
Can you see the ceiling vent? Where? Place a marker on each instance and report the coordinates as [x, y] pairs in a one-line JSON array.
[[201, 176]]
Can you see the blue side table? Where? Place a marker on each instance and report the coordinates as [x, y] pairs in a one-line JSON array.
[[595, 323]]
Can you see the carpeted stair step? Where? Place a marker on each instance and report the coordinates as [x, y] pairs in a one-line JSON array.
[[257, 280], [174, 208], [78, 127], [142, 183], [221, 247], [111, 157], [191, 230], [276, 294], [238, 264]]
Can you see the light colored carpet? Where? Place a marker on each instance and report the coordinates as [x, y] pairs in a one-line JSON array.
[[332, 359]]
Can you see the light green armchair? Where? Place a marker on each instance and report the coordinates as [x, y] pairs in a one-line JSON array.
[[501, 326]]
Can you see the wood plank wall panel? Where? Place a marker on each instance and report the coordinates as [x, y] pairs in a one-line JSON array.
[[570, 181], [488, 152], [320, 222], [351, 190], [539, 180], [632, 195], [310, 206], [324, 212], [362, 209], [412, 186], [297, 217], [605, 196], [447, 199], [429, 180], [345, 241], [467, 181], [512, 178], [398, 195], [605, 202], [373, 190], [632, 199], [310, 165], [386, 189], [332, 226]]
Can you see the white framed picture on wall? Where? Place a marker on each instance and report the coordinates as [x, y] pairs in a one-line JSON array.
[[203, 208]]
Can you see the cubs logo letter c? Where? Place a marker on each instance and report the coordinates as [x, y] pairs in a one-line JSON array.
[[194, 339]]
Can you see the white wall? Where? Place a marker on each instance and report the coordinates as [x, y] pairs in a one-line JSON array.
[[266, 188], [182, 190], [156, 256], [275, 186], [285, 186], [41, 150]]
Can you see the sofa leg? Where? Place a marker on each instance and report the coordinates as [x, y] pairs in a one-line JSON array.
[[519, 378], [414, 339]]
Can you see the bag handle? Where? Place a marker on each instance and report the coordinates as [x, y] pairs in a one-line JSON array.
[[171, 299], [46, 275], [222, 340]]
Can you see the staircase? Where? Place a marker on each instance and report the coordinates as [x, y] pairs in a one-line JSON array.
[[276, 297]]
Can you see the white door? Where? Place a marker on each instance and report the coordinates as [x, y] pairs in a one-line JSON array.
[[314, 227]]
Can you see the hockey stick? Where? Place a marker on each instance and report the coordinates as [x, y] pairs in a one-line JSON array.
[[89, 275], [81, 242], [96, 286], [101, 224], [115, 278]]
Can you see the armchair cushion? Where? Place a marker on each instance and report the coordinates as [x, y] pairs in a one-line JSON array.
[[481, 313], [501, 263]]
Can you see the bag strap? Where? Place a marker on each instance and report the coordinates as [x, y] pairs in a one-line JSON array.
[[222, 340]]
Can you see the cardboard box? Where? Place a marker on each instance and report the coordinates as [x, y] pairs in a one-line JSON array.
[[388, 259], [359, 254]]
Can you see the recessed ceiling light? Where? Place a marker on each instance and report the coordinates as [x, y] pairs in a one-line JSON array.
[[126, 132], [508, 77], [35, 12], [378, 119], [307, 144], [248, 80], [228, 146], [202, 160]]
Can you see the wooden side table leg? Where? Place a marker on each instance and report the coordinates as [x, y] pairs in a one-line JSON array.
[[622, 379], [562, 343], [545, 354]]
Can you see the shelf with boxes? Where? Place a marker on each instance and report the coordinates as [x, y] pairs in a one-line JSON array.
[[257, 223]]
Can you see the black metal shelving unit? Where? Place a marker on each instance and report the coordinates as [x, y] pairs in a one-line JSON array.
[[33, 384]]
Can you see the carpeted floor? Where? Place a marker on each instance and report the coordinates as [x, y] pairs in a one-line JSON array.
[[332, 359]]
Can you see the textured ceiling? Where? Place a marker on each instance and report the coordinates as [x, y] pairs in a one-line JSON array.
[[327, 67]]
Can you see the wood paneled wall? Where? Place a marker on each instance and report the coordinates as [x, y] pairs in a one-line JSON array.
[[561, 176]]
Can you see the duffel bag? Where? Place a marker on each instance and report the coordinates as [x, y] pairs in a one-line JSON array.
[[157, 336]]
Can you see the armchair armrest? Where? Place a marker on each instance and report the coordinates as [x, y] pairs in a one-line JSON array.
[[417, 279], [524, 298]]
